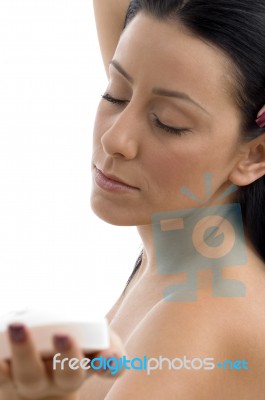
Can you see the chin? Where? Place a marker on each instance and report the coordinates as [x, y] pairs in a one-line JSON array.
[[119, 215]]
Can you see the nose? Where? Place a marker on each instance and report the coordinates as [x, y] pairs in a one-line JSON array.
[[121, 139]]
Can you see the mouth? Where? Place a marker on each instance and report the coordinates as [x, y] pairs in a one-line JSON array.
[[111, 182]]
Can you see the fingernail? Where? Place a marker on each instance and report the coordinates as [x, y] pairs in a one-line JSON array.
[[62, 342], [261, 120], [17, 333]]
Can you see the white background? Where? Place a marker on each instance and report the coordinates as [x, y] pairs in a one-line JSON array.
[[54, 253]]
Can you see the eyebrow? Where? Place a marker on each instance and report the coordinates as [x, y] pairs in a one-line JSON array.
[[159, 91]]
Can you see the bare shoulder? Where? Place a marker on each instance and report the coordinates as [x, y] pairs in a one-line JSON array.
[[197, 351]]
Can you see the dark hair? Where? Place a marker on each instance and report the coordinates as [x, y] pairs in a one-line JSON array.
[[237, 27]]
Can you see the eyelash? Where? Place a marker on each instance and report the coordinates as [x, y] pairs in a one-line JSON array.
[[158, 123], [111, 99]]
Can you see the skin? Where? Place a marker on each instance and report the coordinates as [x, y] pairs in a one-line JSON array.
[[109, 21], [129, 145]]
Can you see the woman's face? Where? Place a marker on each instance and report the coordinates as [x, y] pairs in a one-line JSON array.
[[177, 121]]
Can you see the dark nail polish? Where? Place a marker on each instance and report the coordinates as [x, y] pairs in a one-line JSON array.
[[261, 120], [17, 333], [62, 342]]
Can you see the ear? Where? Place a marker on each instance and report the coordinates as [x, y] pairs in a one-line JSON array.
[[251, 163]]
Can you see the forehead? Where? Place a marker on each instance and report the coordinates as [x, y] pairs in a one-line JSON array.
[[166, 54]]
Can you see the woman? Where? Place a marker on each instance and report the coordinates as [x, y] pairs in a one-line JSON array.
[[186, 83]]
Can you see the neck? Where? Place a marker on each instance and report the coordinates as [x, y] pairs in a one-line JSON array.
[[187, 240], [148, 265]]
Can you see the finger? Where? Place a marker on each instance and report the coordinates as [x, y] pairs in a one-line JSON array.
[[5, 376], [27, 369], [48, 363], [68, 373]]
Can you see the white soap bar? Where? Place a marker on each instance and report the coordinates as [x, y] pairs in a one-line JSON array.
[[90, 334]]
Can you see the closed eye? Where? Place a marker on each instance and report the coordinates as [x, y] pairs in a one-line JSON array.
[[170, 129], [111, 99], [157, 122]]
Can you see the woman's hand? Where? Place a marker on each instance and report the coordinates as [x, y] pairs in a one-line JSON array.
[[28, 376]]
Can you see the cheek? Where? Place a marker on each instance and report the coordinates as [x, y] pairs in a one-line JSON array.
[[185, 162], [175, 162], [168, 169]]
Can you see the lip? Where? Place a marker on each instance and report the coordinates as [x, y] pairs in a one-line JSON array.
[[111, 182]]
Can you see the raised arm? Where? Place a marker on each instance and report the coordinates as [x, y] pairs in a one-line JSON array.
[[110, 17]]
